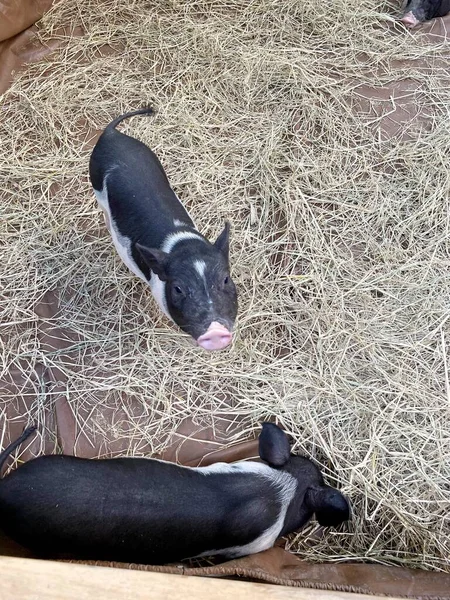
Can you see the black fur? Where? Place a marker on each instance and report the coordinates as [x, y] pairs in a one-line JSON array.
[[143, 208], [149, 511], [330, 506]]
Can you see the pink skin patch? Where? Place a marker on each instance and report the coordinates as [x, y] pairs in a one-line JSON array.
[[409, 20], [217, 337]]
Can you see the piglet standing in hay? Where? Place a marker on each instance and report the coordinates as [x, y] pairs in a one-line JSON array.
[[156, 239], [150, 511]]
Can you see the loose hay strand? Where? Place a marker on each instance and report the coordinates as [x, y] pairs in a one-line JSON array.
[[340, 245]]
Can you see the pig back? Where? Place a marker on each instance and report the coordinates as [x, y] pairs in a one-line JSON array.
[[134, 510]]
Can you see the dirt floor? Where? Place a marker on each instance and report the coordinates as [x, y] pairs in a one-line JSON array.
[[322, 134]]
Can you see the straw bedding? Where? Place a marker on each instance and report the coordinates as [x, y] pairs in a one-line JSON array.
[[339, 248]]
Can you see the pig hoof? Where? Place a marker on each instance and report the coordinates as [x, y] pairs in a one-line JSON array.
[[216, 337]]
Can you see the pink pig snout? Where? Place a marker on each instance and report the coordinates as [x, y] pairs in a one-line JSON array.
[[409, 20], [216, 337]]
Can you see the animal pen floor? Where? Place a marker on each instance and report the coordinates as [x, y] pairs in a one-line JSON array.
[[322, 133]]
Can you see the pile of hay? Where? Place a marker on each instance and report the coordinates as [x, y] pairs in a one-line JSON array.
[[340, 242]]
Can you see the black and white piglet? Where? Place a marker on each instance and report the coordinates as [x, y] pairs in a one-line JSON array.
[[419, 11], [150, 511], [157, 240]]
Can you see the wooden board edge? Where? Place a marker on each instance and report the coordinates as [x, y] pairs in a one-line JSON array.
[[26, 578]]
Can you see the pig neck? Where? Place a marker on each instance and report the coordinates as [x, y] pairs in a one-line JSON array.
[[253, 487], [283, 483], [182, 239], [297, 513]]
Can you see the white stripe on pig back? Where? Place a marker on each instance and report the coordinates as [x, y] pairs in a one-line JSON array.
[[286, 487], [179, 236]]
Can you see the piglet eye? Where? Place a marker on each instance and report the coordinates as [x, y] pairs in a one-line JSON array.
[[226, 280], [178, 289]]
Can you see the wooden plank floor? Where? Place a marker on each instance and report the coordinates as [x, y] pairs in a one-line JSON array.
[[30, 579]]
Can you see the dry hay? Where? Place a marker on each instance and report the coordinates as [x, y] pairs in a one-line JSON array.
[[339, 250]]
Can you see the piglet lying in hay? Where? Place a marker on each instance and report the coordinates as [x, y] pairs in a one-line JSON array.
[[419, 11], [149, 511], [156, 239]]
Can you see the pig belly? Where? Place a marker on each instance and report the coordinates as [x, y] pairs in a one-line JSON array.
[[123, 246]]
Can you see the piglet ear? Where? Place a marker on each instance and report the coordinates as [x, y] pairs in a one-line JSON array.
[[223, 241], [155, 259], [274, 446], [330, 506]]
